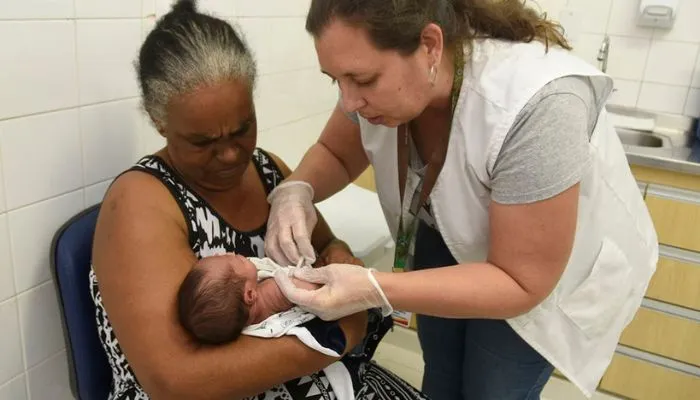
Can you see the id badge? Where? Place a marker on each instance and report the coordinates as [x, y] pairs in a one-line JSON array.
[[404, 250], [403, 253], [400, 252]]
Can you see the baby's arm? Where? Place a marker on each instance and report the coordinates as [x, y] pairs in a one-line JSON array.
[[272, 301], [305, 285]]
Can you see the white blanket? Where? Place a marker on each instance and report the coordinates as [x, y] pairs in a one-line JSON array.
[[289, 323]]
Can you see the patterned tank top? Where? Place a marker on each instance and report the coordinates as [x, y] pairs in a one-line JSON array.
[[209, 234]]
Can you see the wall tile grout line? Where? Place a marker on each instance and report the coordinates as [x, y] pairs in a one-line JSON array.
[[2, 384], [58, 19], [269, 128], [644, 69], [71, 108], [33, 203], [696, 71], [83, 172]]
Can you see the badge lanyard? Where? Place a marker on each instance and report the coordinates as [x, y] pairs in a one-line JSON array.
[[408, 216]]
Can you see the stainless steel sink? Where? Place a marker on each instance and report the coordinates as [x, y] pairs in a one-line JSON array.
[[639, 138], [645, 143]]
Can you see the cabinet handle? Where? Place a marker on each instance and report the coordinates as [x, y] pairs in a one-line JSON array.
[[686, 196], [671, 309], [642, 187], [658, 360], [674, 253]]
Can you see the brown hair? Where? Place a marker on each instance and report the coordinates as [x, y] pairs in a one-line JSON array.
[[397, 24], [212, 308]]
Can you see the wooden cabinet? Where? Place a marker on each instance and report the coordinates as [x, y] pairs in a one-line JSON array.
[[664, 334], [658, 356], [677, 278], [666, 178], [638, 379], [676, 215]]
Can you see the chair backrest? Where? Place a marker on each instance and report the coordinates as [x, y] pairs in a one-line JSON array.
[[71, 255]]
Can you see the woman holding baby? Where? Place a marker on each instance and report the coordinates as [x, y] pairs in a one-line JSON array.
[[204, 194]]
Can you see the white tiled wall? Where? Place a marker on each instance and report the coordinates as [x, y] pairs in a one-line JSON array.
[[70, 121], [657, 69]]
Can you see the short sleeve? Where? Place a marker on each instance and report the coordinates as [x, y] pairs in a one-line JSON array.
[[546, 150]]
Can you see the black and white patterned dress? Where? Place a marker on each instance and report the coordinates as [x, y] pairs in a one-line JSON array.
[[210, 234]]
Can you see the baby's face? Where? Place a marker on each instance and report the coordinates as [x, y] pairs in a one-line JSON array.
[[239, 265], [243, 267]]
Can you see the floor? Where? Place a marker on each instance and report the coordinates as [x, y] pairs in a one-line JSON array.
[[400, 353]]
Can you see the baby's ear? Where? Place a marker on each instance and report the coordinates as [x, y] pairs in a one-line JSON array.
[[249, 295]]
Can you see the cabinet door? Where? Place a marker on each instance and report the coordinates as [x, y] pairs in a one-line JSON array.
[[677, 278], [676, 215], [664, 334], [667, 178], [638, 379]]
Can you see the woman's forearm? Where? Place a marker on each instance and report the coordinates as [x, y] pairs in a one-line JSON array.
[[479, 290], [337, 159], [322, 170], [355, 328], [529, 248], [246, 367]]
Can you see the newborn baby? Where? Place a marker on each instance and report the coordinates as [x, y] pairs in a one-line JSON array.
[[221, 295]]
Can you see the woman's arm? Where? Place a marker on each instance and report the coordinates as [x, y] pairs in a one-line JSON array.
[[533, 210], [329, 248], [141, 256], [530, 245], [532, 223], [529, 248], [337, 252], [336, 160], [328, 166]]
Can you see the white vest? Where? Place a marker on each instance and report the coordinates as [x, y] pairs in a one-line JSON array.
[[615, 248]]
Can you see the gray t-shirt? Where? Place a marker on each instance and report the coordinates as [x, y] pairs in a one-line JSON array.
[[546, 150]]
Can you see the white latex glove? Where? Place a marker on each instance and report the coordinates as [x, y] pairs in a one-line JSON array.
[[290, 223], [347, 289]]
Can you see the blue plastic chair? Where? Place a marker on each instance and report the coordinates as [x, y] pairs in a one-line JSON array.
[[71, 255]]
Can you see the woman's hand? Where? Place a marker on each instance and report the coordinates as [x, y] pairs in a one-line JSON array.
[[337, 252], [347, 289], [290, 223], [336, 160]]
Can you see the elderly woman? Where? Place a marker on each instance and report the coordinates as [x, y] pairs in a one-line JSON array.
[[203, 194]]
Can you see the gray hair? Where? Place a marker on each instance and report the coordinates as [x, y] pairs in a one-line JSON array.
[[187, 50]]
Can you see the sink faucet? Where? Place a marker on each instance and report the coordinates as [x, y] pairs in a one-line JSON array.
[[603, 53]]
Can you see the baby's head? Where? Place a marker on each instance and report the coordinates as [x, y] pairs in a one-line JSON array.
[[215, 298]]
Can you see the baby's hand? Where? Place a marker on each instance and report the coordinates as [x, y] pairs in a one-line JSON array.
[[337, 253]]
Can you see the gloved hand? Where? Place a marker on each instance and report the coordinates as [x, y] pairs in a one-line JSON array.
[[347, 289], [290, 223]]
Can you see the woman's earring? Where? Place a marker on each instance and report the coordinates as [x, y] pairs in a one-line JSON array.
[[433, 74]]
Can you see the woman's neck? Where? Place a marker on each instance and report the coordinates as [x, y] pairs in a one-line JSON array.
[[233, 191], [243, 206]]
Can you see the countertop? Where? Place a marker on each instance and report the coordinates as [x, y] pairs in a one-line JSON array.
[[676, 131], [677, 159]]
